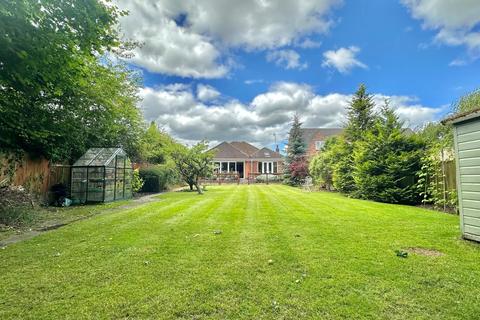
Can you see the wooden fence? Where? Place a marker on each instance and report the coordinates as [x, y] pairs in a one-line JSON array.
[[36, 175]]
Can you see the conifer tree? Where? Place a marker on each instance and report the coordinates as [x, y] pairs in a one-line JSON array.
[[361, 119], [360, 115], [295, 163]]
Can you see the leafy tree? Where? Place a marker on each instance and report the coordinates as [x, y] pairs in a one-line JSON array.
[[324, 165], [468, 102], [155, 145], [432, 180], [295, 159], [193, 163], [57, 97], [386, 162]]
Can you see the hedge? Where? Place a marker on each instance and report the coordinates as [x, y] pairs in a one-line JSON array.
[[157, 179]]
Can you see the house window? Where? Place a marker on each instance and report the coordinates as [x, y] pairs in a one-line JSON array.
[[267, 167], [319, 145], [224, 166], [232, 166]]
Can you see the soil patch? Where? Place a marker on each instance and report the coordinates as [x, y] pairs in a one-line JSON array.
[[425, 252]]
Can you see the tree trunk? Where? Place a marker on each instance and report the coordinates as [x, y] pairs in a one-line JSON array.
[[190, 184], [199, 187]]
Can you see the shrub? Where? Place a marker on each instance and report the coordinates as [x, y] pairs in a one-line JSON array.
[[343, 166], [386, 163], [157, 178], [298, 171], [137, 181]]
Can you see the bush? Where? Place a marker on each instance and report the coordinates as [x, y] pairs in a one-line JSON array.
[[386, 163], [298, 171], [137, 182], [381, 166], [157, 178]]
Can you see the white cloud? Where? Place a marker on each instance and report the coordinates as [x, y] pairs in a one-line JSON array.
[[254, 81], [258, 24], [343, 59], [458, 62], [288, 59], [191, 38], [308, 44], [188, 119], [206, 93], [409, 109], [167, 48], [456, 22]]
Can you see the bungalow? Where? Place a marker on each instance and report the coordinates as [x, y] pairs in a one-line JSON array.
[[245, 159], [315, 138]]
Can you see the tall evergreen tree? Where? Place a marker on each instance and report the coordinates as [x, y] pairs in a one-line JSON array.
[[360, 114], [295, 160], [296, 144], [386, 162], [361, 119]]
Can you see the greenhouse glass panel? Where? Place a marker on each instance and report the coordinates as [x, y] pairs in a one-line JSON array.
[[101, 175]]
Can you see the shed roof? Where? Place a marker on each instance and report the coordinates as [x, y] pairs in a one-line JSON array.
[[461, 117]]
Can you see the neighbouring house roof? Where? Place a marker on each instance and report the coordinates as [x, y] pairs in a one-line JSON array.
[[243, 150], [461, 117], [309, 134]]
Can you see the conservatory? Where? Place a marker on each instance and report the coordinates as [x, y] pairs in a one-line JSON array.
[[101, 175]]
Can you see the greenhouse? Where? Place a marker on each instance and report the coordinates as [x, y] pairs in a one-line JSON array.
[[101, 175]]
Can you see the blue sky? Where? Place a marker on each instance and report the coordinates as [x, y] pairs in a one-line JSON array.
[[234, 70]]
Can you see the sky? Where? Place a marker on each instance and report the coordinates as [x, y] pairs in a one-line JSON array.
[[238, 70]]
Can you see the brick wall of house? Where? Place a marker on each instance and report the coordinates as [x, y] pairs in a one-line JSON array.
[[254, 165], [311, 151]]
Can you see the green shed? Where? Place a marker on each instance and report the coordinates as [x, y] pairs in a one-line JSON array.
[[466, 134]]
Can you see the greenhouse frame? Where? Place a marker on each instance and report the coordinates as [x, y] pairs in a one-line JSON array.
[[101, 175]]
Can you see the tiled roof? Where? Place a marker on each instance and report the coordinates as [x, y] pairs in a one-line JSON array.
[[227, 151], [244, 147], [243, 150], [266, 153], [309, 133]]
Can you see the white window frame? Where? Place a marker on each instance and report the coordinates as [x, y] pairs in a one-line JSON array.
[[267, 166], [319, 144]]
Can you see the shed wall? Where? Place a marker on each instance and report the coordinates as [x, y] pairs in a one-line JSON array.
[[467, 144]]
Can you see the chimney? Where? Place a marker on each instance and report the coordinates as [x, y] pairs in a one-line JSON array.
[[277, 149]]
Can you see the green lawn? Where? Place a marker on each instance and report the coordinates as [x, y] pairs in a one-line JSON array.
[[331, 257]]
